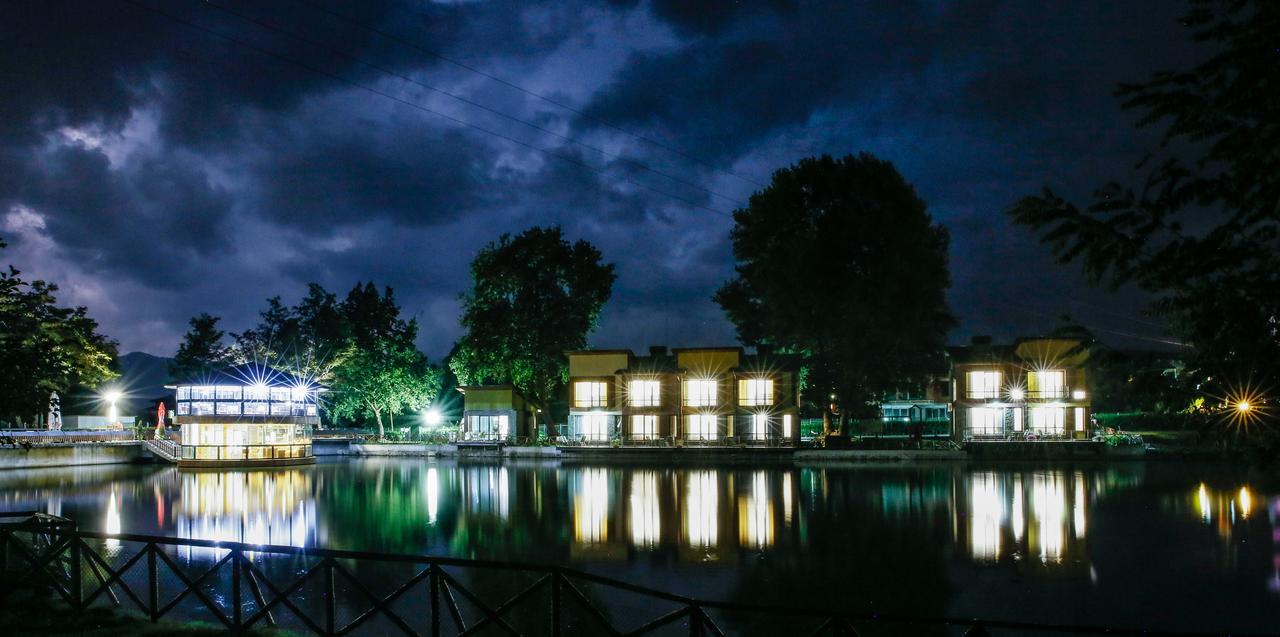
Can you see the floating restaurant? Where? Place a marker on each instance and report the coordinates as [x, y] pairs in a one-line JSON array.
[[246, 415]]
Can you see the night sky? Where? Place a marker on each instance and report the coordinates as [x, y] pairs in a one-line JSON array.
[[155, 170]]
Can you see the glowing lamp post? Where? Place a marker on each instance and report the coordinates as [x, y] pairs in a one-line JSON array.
[[113, 413], [1244, 407], [432, 417]]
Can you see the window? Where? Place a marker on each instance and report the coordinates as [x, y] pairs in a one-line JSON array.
[[256, 408], [228, 392], [1047, 384], [786, 426], [759, 426], [280, 394], [184, 393], [490, 426], [202, 392], [644, 427], [589, 394], [202, 408], [594, 427], [645, 393], [984, 384], [1079, 418], [701, 427], [282, 409], [184, 408], [700, 393], [1047, 420], [256, 392], [228, 409], [984, 421], [755, 392]]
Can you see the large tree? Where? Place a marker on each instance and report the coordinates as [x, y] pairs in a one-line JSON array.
[[1202, 229], [45, 350], [533, 297], [380, 371], [839, 262], [202, 349]]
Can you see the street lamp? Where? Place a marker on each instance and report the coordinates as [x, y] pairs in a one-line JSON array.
[[113, 414], [1244, 407], [432, 417]]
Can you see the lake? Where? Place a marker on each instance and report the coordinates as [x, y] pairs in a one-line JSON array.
[[1157, 545]]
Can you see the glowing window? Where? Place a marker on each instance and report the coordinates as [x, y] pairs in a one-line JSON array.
[[1049, 383], [700, 393], [228, 409], [755, 392], [256, 408], [280, 394], [786, 426], [590, 394], [759, 426], [184, 408], [594, 427], [202, 392], [228, 392], [202, 408], [1047, 420], [644, 427], [701, 427], [645, 393], [184, 393], [984, 421], [256, 392], [983, 384]]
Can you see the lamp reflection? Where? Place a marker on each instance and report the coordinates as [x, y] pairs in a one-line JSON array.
[[1049, 504], [252, 507], [1037, 513], [701, 502], [591, 507], [987, 516], [433, 494], [486, 490], [645, 519], [755, 514], [112, 522]]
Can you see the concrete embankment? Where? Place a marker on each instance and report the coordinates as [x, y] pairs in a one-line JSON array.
[[414, 450], [68, 455]]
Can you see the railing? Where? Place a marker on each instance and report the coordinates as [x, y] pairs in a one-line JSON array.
[[282, 451], [166, 449], [324, 593]]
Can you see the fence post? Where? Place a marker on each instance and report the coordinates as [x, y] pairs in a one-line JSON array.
[[235, 591], [695, 621], [433, 577], [153, 583], [330, 601], [77, 582]]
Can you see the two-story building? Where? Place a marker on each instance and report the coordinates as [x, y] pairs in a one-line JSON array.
[[707, 394], [1036, 388]]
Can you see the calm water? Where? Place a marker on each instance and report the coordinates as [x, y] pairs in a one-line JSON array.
[[1155, 545]]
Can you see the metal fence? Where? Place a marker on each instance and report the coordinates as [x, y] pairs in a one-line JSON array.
[[331, 592]]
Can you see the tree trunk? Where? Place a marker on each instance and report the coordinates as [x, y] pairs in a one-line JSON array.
[[377, 417]]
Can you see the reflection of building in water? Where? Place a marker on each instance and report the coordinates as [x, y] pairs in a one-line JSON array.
[[253, 507], [591, 507], [701, 510], [645, 519], [1041, 515], [755, 513], [486, 490]]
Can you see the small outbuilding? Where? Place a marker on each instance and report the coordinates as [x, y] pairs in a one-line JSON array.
[[496, 413]]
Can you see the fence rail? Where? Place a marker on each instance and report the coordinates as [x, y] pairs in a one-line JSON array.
[[83, 572]]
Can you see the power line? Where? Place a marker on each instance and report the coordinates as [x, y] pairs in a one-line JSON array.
[[468, 101], [462, 65], [426, 109]]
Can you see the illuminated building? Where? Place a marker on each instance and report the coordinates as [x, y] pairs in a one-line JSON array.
[[709, 395], [1035, 389], [246, 415], [496, 413]]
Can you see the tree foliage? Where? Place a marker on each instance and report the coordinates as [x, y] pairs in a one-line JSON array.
[[202, 349], [838, 261], [533, 297], [45, 349], [1202, 229]]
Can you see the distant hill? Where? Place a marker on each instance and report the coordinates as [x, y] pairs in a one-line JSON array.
[[143, 376]]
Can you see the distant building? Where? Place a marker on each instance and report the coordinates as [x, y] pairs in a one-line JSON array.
[[710, 394], [928, 404], [246, 415], [496, 413], [1036, 388]]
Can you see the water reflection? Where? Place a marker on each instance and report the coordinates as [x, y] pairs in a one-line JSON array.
[[646, 514], [252, 507], [1000, 524]]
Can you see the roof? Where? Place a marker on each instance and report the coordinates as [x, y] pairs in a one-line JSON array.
[[250, 374]]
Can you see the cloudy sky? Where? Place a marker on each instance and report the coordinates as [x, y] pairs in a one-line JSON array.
[[160, 159]]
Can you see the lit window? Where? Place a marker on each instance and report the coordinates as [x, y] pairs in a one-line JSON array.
[[786, 426], [755, 392], [202, 408], [280, 394], [1047, 420], [184, 408], [700, 393], [228, 392], [701, 427], [1079, 418], [1047, 383], [759, 426], [594, 427], [256, 392], [184, 393], [228, 409], [281, 409], [644, 427], [984, 421], [645, 393], [590, 394], [256, 408], [984, 384], [202, 392]]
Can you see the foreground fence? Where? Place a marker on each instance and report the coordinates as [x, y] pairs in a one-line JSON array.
[[331, 592]]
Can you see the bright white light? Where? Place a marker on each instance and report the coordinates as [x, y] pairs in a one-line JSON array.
[[432, 417], [1078, 394], [111, 395], [1017, 394]]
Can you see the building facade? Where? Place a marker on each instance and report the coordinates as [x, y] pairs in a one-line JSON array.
[[1034, 389], [496, 413], [712, 395], [246, 415]]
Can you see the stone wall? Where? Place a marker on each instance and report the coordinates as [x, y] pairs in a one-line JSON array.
[[65, 455]]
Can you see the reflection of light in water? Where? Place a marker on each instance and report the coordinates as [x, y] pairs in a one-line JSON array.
[[1049, 504], [591, 507], [1017, 514], [1246, 502], [252, 507], [487, 490], [433, 494], [786, 498], [1202, 499], [1274, 515], [700, 509], [112, 522], [986, 517], [755, 514], [1077, 506], [645, 513]]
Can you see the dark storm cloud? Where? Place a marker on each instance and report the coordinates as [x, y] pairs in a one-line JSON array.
[[145, 155]]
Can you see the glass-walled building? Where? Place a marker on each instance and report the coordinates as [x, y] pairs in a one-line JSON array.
[[246, 415]]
